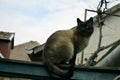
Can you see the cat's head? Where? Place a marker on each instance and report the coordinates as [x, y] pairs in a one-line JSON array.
[[85, 28]]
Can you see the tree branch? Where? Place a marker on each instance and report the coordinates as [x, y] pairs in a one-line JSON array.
[[94, 55]]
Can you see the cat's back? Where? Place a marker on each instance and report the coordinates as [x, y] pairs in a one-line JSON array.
[[58, 43], [61, 36]]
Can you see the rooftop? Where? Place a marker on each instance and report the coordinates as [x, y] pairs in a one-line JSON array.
[[6, 35]]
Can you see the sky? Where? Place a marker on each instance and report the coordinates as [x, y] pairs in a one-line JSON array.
[[36, 20]]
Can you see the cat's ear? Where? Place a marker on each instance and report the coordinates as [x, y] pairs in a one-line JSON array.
[[90, 21], [78, 21]]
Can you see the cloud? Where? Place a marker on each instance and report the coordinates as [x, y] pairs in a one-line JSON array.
[[21, 3], [38, 19]]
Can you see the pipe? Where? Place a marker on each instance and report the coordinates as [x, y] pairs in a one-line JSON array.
[[112, 60]]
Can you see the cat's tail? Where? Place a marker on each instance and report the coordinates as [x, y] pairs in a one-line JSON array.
[[52, 68]]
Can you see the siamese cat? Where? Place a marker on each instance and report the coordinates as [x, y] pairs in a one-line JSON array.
[[63, 46]]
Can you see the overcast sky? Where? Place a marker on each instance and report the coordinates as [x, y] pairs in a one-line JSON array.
[[37, 19]]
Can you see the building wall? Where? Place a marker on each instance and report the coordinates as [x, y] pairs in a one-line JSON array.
[[5, 47], [111, 33]]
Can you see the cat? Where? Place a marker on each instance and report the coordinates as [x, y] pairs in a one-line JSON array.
[[63, 46]]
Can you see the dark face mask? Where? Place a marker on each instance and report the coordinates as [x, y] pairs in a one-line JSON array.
[[85, 28]]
